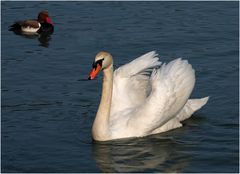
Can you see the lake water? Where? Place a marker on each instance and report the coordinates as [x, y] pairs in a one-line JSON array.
[[48, 107]]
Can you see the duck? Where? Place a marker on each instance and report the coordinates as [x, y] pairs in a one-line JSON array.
[[43, 24], [142, 97]]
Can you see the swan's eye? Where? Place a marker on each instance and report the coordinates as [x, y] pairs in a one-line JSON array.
[[94, 65]]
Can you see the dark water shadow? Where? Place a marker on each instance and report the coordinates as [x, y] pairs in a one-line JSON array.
[[43, 38], [150, 154]]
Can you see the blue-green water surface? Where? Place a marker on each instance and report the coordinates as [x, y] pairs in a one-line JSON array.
[[47, 107]]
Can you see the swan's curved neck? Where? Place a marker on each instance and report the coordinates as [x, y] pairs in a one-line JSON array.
[[100, 129]]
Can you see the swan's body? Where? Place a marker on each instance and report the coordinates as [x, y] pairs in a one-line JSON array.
[[139, 98]]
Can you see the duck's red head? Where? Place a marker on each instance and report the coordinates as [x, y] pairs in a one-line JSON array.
[[43, 17]]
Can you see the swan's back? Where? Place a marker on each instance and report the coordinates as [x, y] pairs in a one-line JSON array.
[[148, 99], [172, 85]]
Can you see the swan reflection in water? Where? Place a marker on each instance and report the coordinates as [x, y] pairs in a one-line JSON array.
[[43, 38], [156, 153]]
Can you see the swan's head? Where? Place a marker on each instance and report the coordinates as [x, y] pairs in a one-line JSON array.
[[102, 61]]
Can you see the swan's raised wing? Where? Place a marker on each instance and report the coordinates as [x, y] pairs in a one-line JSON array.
[[172, 85], [131, 83]]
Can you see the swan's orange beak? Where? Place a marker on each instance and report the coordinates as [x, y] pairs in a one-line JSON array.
[[94, 72]]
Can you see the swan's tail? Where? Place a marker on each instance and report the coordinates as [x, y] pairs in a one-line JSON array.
[[190, 107]]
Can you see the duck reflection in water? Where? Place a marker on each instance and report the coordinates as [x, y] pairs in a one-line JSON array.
[[149, 154], [43, 38]]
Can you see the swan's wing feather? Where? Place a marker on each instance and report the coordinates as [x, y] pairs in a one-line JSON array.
[[131, 83], [142, 64], [172, 85]]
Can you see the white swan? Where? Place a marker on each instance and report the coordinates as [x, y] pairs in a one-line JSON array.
[[141, 98]]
